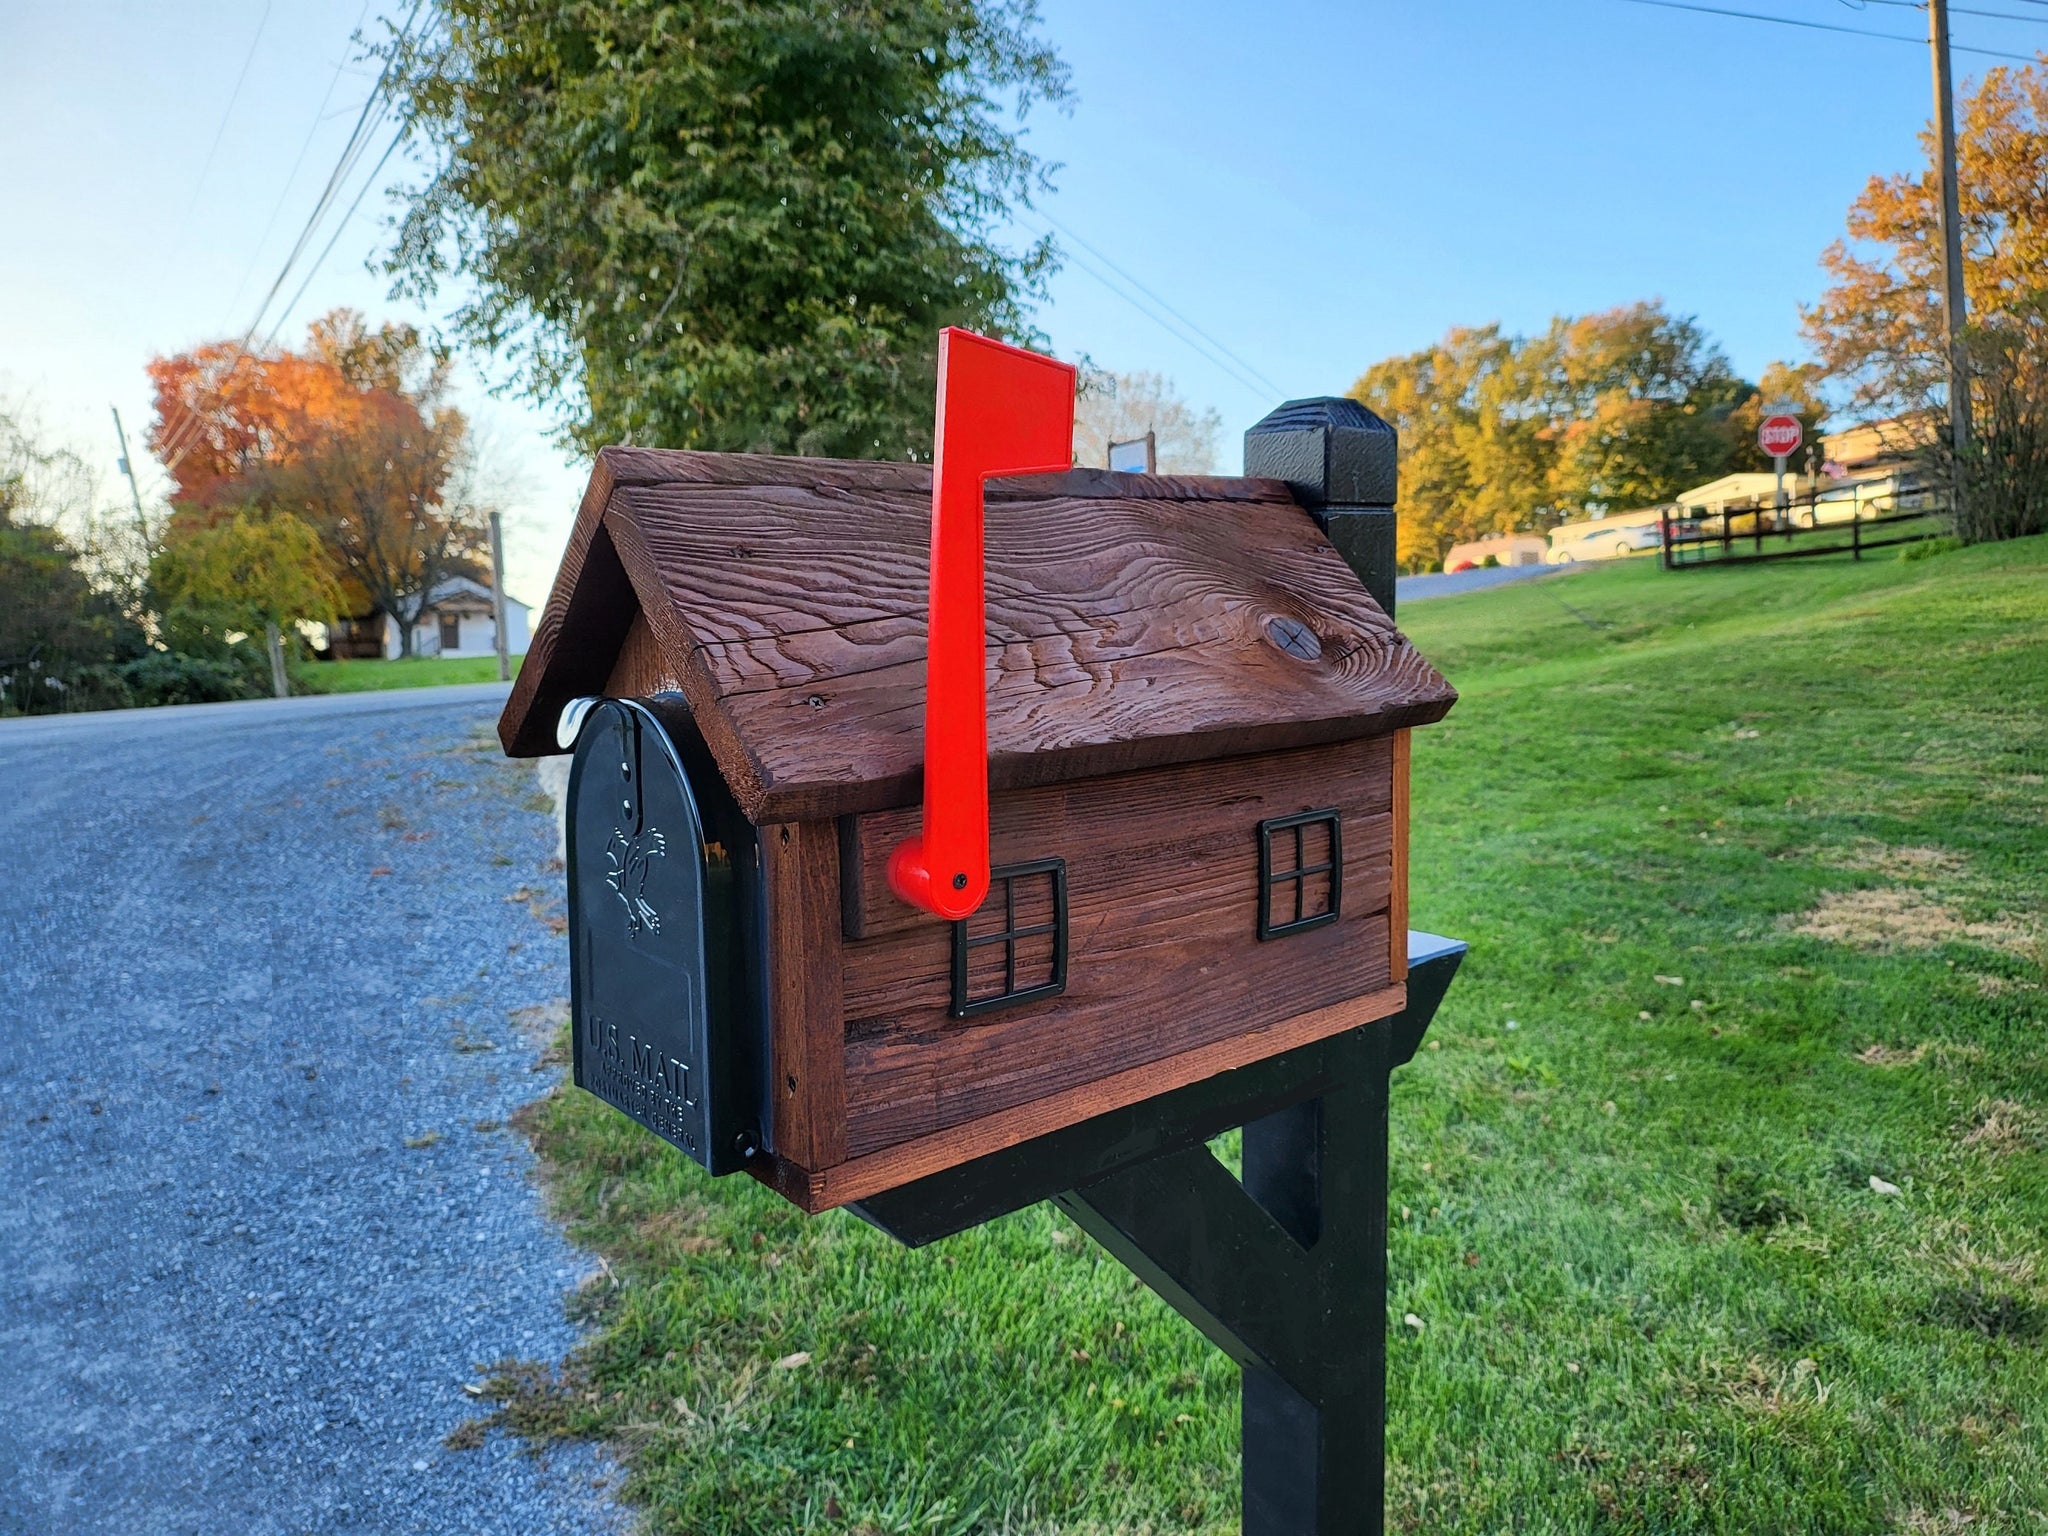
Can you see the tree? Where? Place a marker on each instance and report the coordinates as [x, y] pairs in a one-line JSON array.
[[1640, 405], [1878, 329], [728, 226], [1474, 451], [261, 572], [1880, 332], [1117, 407], [354, 436], [60, 631], [1602, 413]]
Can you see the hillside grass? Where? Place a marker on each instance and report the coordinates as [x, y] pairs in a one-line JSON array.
[[361, 676], [1754, 868]]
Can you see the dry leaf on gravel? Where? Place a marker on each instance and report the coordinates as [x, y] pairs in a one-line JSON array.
[[539, 1022]]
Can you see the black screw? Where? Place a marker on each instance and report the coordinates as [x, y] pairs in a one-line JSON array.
[[747, 1144], [959, 882]]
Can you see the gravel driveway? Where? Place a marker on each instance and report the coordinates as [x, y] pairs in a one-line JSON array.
[[261, 1219]]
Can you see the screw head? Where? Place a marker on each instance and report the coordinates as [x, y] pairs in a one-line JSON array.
[[1294, 637], [960, 882]]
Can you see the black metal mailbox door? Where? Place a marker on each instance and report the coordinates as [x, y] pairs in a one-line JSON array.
[[645, 892]]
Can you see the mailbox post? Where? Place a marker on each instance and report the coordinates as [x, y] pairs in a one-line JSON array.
[[1194, 841], [1342, 463]]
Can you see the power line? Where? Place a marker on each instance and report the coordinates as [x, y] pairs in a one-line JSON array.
[[370, 181], [1822, 26], [1173, 330], [292, 176], [1156, 299], [228, 111], [374, 110], [1954, 10]]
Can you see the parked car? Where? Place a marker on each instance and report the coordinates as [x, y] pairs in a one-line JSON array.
[[1601, 540]]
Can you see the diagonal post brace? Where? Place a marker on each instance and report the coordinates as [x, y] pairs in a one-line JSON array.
[[1284, 1269]]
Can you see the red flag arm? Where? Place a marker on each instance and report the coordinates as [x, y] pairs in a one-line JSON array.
[[1002, 411]]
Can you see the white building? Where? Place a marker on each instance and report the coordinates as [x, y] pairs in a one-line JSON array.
[[458, 619], [455, 620]]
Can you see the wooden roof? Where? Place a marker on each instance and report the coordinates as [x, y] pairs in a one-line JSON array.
[[1128, 622]]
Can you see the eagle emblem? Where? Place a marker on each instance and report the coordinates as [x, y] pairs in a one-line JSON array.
[[627, 876]]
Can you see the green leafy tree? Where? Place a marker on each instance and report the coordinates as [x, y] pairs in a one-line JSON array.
[[727, 225], [61, 632], [254, 571]]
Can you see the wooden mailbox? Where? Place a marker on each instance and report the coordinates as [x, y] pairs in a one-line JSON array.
[[1198, 748]]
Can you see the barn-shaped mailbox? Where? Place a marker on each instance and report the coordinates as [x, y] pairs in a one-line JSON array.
[[1197, 737]]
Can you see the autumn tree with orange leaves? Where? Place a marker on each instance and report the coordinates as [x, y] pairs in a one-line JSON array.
[[353, 436], [1878, 330]]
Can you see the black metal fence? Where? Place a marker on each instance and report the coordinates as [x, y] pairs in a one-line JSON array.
[[1811, 524]]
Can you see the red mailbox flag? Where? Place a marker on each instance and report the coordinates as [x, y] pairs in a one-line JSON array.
[[1002, 411]]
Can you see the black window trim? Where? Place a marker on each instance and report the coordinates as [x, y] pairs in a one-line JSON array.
[[1008, 936], [1300, 873]]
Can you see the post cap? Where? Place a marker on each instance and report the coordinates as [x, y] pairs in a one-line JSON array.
[[1330, 451]]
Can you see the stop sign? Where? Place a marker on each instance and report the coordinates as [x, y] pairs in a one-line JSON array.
[[1780, 435]]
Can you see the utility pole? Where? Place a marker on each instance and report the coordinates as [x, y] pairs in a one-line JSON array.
[[134, 490], [498, 595], [1954, 313]]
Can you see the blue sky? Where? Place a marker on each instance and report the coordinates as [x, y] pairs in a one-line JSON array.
[[1314, 185]]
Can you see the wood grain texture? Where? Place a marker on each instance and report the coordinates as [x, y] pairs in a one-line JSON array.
[[641, 670], [801, 869], [860, 1177], [1397, 907], [1162, 889], [1126, 623]]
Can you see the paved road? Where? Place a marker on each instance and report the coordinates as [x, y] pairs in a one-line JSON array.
[[1413, 589], [248, 952]]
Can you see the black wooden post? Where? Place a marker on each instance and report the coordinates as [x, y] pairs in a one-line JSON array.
[[1285, 1270], [1342, 463]]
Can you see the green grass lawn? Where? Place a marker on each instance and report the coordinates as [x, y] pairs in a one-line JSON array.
[[412, 672], [1754, 867]]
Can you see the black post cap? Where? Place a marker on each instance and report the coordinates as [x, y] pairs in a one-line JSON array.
[[1330, 451]]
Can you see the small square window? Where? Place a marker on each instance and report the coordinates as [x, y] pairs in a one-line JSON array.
[[1014, 950], [1301, 873]]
